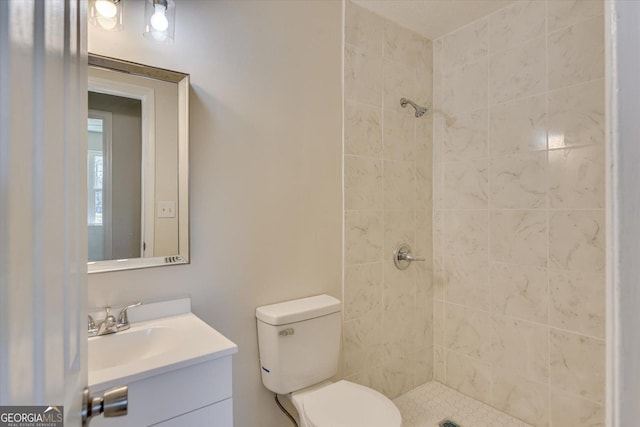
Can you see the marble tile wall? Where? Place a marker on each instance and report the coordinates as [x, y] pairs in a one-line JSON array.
[[519, 220], [387, 333]]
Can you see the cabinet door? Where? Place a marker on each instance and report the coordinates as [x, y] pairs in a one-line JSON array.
[[217, 415], [162, 397]]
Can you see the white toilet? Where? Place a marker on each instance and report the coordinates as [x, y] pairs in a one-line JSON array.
[[299, 345]]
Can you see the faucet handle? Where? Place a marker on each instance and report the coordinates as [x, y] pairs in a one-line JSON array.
[[91, 325], [123, 319]]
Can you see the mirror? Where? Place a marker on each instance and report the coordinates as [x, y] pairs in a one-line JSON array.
[[137, 166]]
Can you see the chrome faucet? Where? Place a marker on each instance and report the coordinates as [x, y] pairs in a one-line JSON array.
[[123, 320], [111, 324], [108, 325]]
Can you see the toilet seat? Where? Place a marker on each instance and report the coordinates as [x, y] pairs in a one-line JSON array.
[[346, 404]]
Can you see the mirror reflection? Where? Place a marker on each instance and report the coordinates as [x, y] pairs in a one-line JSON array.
[[137, 210], [114, 201]]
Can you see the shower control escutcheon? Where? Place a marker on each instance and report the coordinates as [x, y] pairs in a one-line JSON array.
[[403, 256]]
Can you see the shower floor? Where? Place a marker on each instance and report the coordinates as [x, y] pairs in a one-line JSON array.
[[429, 404]]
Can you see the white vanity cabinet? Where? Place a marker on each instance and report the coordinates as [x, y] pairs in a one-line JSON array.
[[179, 373], [196, 396]]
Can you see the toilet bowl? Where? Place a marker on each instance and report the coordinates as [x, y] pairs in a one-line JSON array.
[[344, 404], [299, 345]]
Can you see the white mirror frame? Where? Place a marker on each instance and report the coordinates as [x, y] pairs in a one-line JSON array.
[[148, 147]]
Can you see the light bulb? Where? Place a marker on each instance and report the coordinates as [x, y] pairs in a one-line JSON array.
[[159, 21], [106, 8]]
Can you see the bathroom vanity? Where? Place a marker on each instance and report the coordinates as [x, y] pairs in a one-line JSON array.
[[178, 369]]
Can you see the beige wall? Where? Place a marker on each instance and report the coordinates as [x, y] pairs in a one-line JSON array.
[[388, 312], [265, 159], [519, 231]]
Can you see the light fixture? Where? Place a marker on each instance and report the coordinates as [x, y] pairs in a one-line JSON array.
[[159, 23], [106, 14]]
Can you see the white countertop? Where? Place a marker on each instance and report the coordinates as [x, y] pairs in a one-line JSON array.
[[152, 347]]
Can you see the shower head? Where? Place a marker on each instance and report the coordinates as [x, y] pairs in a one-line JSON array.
[[420, 111]]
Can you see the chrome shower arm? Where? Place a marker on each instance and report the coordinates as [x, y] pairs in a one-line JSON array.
[[420, 111]]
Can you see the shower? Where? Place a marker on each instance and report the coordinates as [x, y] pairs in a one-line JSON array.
[[419, 110], [469, 186]]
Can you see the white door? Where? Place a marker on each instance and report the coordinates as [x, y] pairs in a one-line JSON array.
[[43, 240]]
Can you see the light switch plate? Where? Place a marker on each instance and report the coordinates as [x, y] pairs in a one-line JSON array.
[[167, 209]]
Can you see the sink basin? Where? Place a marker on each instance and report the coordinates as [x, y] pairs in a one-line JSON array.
[[121, 348], [152, 347]]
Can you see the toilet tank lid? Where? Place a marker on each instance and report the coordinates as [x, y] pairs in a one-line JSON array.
[[298, 310]]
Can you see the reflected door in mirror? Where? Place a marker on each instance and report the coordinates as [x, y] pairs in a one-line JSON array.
[[115, 162]]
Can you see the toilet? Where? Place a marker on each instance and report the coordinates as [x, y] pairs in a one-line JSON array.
[[299, 343]]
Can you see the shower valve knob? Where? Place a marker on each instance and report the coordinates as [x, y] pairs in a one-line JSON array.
[[403, 257]]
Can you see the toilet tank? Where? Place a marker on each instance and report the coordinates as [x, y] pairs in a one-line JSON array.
[[299, 342]]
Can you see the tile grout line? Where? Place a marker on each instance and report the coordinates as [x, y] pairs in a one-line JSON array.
[[488, 17], [414, 233], [548, 414], [344, 193], [443, 317], [434, 193], [471, 210], [517, 98], [438, 190], [529, 321], [383, 116], [489, 202]]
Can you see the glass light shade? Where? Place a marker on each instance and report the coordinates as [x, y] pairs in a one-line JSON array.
[[159, 22], [106, 14]]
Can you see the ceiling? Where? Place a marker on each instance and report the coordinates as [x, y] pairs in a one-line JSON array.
[[433, 18]]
